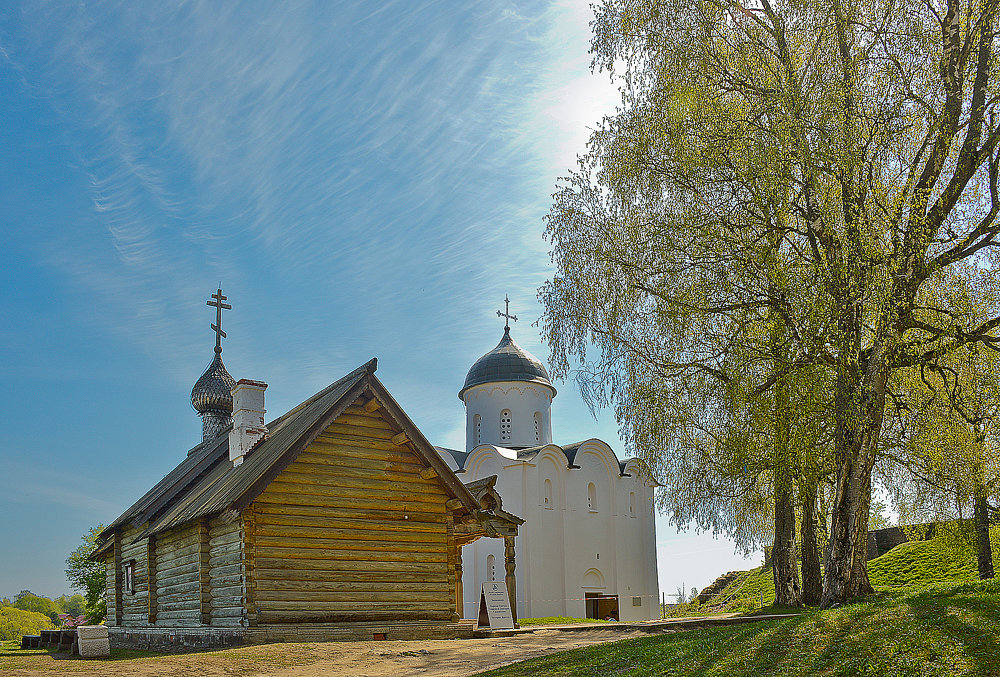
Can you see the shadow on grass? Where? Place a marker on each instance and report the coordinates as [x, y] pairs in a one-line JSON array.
[[947, 630]]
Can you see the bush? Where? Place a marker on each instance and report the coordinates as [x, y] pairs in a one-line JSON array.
[[16, 622]]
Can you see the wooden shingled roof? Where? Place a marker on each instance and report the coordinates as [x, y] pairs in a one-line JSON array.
[[206, 484]]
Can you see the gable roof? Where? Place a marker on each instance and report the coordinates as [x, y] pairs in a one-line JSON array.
[[206, 483]]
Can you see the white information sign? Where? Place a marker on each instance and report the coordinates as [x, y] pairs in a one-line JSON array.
[[494, 607]]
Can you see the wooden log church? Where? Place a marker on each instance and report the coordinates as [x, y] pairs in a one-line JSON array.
[[337, 520]]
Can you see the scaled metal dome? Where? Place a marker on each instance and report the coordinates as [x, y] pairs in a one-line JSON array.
[[507, 362], [213, 392]]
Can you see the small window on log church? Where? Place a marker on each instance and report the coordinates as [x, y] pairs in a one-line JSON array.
[[129, 576], [505, 425]]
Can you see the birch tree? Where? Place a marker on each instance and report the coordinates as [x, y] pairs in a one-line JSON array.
[[813, 162]]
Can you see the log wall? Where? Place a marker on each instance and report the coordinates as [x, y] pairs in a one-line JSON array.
[[196, 573], [134, 604], [351, 532], [177, 574], [226, 573]]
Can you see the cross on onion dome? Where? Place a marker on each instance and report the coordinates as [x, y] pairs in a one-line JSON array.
[[506, 324], [217, 301]]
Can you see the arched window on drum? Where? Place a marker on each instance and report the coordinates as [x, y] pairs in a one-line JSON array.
[[505, 425]]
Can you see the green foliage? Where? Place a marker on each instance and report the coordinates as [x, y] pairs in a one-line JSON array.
[[73, 605], [89, 576], [15, 622], [943, 631], [29, 601], [778, 201]]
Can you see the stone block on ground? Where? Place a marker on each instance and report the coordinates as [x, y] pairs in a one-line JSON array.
[[95, 648], [92, 631]]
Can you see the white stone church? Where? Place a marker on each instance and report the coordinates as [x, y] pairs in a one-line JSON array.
[[588, 545]]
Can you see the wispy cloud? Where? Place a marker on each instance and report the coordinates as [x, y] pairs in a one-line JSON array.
[[338, 169]]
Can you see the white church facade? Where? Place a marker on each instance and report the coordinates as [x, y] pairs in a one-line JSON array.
[[588, 545]]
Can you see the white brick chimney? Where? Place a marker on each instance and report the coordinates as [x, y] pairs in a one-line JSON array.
[[248, 418]]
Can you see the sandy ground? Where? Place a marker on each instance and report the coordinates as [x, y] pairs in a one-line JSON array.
[[444, 658]]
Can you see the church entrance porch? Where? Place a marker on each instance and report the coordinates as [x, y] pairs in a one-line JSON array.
[[601, 606]]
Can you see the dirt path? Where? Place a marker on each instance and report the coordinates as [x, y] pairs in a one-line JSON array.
[[440, 658]]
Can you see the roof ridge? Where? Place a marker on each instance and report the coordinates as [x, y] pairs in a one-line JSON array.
[[369, 366]]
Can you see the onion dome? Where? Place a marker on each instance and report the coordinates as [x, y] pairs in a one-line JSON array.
[[507, 362], [213, 392]]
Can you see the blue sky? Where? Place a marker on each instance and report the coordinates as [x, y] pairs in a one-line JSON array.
[[364, 179]]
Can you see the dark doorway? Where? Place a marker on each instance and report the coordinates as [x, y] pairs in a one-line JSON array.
[[601, 606]]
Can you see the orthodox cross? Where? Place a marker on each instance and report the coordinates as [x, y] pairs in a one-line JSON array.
[[506, 324], [219, 307]]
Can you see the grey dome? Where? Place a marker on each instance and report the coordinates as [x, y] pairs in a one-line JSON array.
[[214, 390], [507, 362]]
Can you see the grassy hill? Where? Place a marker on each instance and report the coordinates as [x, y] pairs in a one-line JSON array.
[[944, 630], [918, 564]]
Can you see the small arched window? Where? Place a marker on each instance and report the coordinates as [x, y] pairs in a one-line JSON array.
[[631, 503], [538, 427], [592, 496], [491, 568], [547, 493], [505, 425], [477, 429]]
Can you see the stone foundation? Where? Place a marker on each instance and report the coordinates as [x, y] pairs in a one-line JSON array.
[[176, 640], [179, 640]]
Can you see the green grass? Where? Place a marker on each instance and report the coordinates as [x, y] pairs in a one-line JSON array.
[[744, 593], [947, 630], [558, 620], [946, 558]]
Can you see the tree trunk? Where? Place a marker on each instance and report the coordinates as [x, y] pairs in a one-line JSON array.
[[783, 564], [983, 545], [812, 581], [860, 404], [786, 574]]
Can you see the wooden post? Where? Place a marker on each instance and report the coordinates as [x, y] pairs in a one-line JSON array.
[[205, 572], [151, 579], [249, 565], [118, 579], [452, 557], [459, 590], [508, 551]]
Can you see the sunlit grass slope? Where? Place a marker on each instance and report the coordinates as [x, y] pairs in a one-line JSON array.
[[946, 630], [921, 563]]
